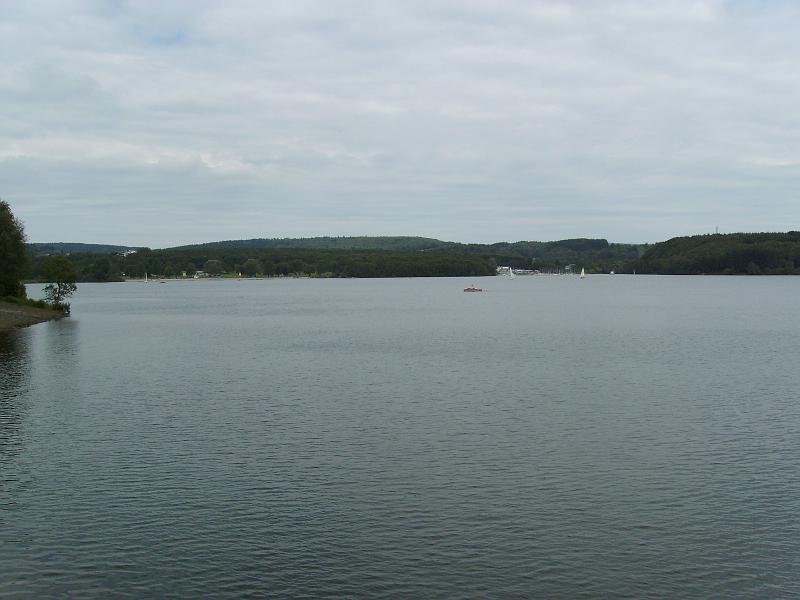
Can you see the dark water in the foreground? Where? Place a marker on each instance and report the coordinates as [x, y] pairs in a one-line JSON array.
[[618, 436]]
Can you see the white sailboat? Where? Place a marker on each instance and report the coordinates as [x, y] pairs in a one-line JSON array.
[[511, 272], [583, 273]]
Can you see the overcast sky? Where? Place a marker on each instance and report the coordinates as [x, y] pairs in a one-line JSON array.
[[163, 123]]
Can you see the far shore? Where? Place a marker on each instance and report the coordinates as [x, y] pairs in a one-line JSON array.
[[15, 315]]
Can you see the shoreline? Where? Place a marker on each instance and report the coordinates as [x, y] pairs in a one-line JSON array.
[[14, 316]]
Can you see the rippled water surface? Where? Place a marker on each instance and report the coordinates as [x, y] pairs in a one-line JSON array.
[[551, 437]]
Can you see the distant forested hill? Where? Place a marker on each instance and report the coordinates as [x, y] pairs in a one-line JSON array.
[[407, 256], [594, 254], [71, 248], [328, 243], [340, 257], [270, 262], [725, 254]]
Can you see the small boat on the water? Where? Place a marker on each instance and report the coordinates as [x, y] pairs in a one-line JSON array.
[[583, 273], [472, 288]]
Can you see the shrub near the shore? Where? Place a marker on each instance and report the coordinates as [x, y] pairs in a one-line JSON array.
[[26, 302]]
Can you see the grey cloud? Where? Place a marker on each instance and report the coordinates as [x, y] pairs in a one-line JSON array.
[[162, 123]]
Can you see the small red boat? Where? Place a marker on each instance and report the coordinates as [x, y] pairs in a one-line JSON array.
[[473, 289]]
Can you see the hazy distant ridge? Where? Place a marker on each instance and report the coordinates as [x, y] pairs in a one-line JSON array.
[[405, 243], [561, 251], [74, 248]]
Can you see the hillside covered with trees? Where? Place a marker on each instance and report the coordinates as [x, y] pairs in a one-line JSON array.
[[271, 262], [739, 253], [725, 254], [524, 254], [595, 255], [397, 243], [344, 257]]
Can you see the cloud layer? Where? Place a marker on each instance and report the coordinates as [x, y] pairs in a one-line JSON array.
[[163, 123]]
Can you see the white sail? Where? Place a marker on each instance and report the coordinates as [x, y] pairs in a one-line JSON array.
[[583, 273]]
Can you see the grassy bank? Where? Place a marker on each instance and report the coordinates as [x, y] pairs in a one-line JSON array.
[[17, 312]]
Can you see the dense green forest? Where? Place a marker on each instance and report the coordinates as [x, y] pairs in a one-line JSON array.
[[339, 257], [547, 254], [725, 254], [596, 255], [740, 253], [270, 262]]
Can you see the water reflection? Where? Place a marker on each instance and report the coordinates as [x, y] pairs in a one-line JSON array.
[[55, 351], [38, 369], [14, 382], [56, 342], [35, 363]]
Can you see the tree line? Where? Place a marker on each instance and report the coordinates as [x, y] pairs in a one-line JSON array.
[[525, 254], [740, 253], [268, 262], [345, 257], [725, 254]]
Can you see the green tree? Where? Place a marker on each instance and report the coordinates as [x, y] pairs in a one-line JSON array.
[[269, 268], [214, 267], [101, 270], [296, 265], [252, 267], [12, 253], [61, 274]]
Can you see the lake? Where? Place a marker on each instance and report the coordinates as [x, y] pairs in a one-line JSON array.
[[623, 436]]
